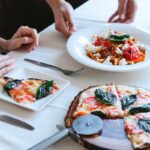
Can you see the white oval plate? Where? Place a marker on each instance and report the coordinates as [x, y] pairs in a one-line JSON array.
[[78, 40]]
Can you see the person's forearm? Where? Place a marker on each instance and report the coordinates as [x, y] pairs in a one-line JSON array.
[[3, 43]]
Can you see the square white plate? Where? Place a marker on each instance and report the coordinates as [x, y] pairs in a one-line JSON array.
[[25, 73]]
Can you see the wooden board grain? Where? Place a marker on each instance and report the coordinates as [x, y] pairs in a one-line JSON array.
[[113, 137]]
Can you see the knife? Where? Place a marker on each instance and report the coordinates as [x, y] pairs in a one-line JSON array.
[[16, 122]]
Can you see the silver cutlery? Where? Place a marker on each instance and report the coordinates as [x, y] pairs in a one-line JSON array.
[[90, 125], [64, 71], [16, 122]]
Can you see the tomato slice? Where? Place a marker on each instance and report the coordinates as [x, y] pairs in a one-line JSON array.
[[91, 103], [132, 129], [102, 42], [131, 53]]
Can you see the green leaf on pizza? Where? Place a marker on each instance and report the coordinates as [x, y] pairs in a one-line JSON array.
[[11, 85], [99, 114], [128, 100], [105, 97], [119, 38], [144, 124], [44, 89], [140, 109]]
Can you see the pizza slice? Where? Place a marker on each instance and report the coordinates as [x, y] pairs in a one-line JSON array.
[[27, 90], [138, 130], [99, 100], [134, 100]]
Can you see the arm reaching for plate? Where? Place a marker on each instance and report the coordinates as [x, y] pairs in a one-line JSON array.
[[125, 13], [25, 38], [63, 14]]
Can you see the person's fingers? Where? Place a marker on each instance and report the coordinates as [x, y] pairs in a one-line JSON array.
[[131, 11], [68, 15], [113, 16], [32, 33], [128, 21], [28, 47], [4, 57], [122, 9], [27, 32], [129, 17], [117, 20], [14, 44], [64, 22], [7, 62], [61, 26], [6, 69]]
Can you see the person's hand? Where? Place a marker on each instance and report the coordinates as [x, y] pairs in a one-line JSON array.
[[125, 13], [25, 38], [6, 64], [63, 14]]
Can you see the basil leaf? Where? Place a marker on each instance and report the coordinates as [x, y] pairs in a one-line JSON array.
[[11, 84], [144, 124], [118, 38], [105, 97], [44, 89], [128, 100], [140, 109], [99, 114]]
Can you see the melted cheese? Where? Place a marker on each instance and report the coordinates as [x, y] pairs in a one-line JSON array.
[[33, 85], [113, 111], [143, 96], [141, 139], [26, 91]]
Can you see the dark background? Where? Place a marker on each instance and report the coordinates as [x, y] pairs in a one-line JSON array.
[[34, 13]]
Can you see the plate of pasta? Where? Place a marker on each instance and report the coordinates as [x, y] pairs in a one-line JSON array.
[[111, 47]]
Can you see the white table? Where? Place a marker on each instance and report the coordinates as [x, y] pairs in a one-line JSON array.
[[52, 50]]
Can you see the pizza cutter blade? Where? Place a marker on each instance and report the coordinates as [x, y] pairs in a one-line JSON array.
[[84, 125], [87, 125]]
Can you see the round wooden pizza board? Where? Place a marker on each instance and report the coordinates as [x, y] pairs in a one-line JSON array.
[[112, 137]]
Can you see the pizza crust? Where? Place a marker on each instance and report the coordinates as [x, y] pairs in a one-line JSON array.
[[69, 117]]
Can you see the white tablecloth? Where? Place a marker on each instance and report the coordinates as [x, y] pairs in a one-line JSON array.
[[52, 50]]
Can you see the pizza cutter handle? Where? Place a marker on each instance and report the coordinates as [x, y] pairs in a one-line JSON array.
[[51, 140]]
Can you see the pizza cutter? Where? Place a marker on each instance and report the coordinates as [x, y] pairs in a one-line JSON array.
[[84, 125]]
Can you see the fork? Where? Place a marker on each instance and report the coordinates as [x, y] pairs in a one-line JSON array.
[[64, 71], [69, 72]]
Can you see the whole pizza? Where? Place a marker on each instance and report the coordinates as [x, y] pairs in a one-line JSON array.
[[113, 102]]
